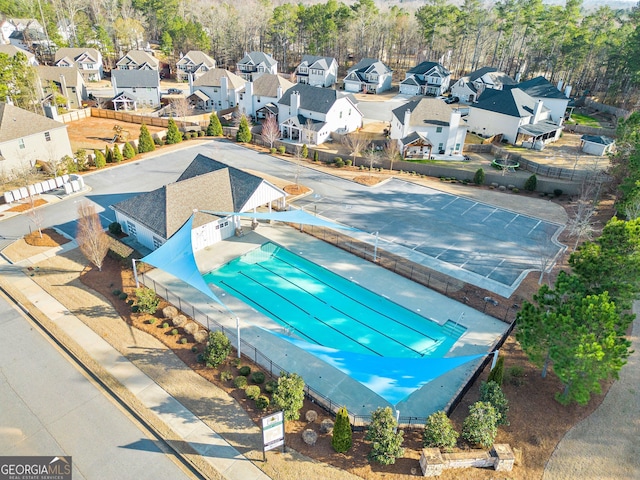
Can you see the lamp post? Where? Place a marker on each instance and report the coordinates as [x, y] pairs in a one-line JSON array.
[[135, 272]]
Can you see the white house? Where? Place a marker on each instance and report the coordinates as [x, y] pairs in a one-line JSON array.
[[317, 71], [368, 76], [597, 144], [11, 51], [66, 81], [194, 62], [309, 114], [87, 60], [254, 64], [552, 95], [152, 217], [143, 86], [516, 116], [470, 87], [261, 96], [26, 137], [221, 88], [428, 128], [426, 78], [138, 60]]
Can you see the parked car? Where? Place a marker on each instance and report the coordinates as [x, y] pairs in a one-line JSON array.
[[175, 91], [451, 100]]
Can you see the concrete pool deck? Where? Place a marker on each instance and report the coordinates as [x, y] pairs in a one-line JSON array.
[[482, 332]]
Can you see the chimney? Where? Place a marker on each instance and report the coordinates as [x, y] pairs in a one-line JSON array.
[[567, 91], [190, 77], [279, 93], [560, 84], [405, 123], [63, 87], [224, 89], [294, 103], [537, 111]]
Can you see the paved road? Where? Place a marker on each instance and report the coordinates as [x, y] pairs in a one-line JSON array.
[[50, 408]]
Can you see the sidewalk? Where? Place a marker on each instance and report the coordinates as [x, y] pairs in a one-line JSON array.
[[184, 425]]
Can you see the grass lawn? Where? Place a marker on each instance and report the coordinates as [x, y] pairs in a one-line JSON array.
[[580, 119]]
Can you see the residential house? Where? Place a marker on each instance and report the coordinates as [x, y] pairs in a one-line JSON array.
[[196, 63], [221, 88], [138, 60], [26, 137], [152, 217], [597, 144], [368, 76], [135, 88], [553, 97], [260, 97], [470, 87], [317, 71], [65, 81], [309, 114], [428, 128], [255, 64], [6, 29], [515, 115], [426, 78], [87, 60], [11, 50]]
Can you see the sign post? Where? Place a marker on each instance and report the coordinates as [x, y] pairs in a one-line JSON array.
[[272, 432]]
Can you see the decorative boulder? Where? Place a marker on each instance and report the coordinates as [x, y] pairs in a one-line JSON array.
[[309, 437], [191, 328], [201, 336], [326, 426], [169, 311], [179, 321], [311, 416]]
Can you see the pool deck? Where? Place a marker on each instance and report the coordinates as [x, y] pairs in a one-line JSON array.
[[482, 333]]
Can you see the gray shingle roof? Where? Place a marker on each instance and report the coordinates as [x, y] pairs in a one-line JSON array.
[[71, 76], [540, 87], [315, 99], [138, 57], [136, 78], [213, 76], [369, 65], [266, 85], [17, 123], [513, 102], [600, 139], [425, 111], [197, 57], [11, 50], [74, 53], [315, 61], [256, 58], [425, 67]]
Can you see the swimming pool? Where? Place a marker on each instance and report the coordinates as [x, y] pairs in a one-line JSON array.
[[323, 308]]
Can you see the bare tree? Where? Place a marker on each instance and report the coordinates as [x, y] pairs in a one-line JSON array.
[[270, 130], [91, 238], [182, 108], [391, 151], [580, 225], [371, 155], [355, 143]]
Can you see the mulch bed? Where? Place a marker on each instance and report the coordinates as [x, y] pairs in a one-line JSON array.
[[23, 207], [49, 238]]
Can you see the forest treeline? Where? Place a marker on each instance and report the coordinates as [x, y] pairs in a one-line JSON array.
[[596, 51]]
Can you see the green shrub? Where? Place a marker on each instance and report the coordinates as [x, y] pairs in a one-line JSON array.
[[386, 440], [117, 154], [194, 349], [158, 142], [108, 154], [135, 308], [217, 350], [289, 395], [200, 133], [244, 131], [252, 391], [339, 163], [305, 151], [478, 177], [315, 156], [257, 377], [165, 325], [116, 292], [481, 425], [145, 143], [123, 296], [236, 362], [273, 150], [557, 192], [183, 340], [282, 149], [439, 432], [174, 332], [515, 190], [226, 375], [99, 159], [348, 162], [245, 370], [240, 381], [214, 129], [119, 250], [342, 438], [200, 358], [152, 321], [262, 402], [81, 159], [497, 374], [531, 183], [492, 393], [515, 375], [128, 151], [115, 228], [270, 386], [337, 159], [129, 302], [147, 300], [173, 134]]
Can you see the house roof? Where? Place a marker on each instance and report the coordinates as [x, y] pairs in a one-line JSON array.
[[540, 87], [205, 184], [124, 96], [512, 102], [200, 95], [540, 128], [213, 76], [136, 78], [315, 61], [425, 111], [17, 123], [197, 57], [71, 76], [315, 99], [75, 53], [426, 67], [368, 65], [11, 50], [599, 139], [414, 137], [138, 57], [266, 85], [256, 58]]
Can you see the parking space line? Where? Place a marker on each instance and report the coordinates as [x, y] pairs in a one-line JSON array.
[[445, 206], [495, 268], [445, 250], [517, 215], [476, 203], [534, 227], [485, 218]]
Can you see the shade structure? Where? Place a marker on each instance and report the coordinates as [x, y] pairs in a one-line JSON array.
[[175, 256], [393, 379], [290, 216]]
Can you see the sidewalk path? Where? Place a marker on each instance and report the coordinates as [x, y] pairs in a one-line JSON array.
[[605, 445]]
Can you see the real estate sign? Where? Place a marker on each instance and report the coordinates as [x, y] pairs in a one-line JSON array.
[[273, 430]]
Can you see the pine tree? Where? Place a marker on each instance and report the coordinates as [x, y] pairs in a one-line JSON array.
[[341, 440], [117, 153], [100, 161], [108, 154], [478, 177], [128, 151], [173, 134], [244, 132], [145, 142], [214, 129], [497, 374], [305, 151], [531, 183]]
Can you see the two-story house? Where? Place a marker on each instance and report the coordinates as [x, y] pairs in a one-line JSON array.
[[219, 90], [512, 113], [135, 88], [309, 114], [65, 81], [317, 71], [260, 97], [254, 64], [428, 128], [469, 88], [426, 78], [11, 50], [368, 76], [87, 60], [195, 63], [26, 137], [552, 95], [138, 60]]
